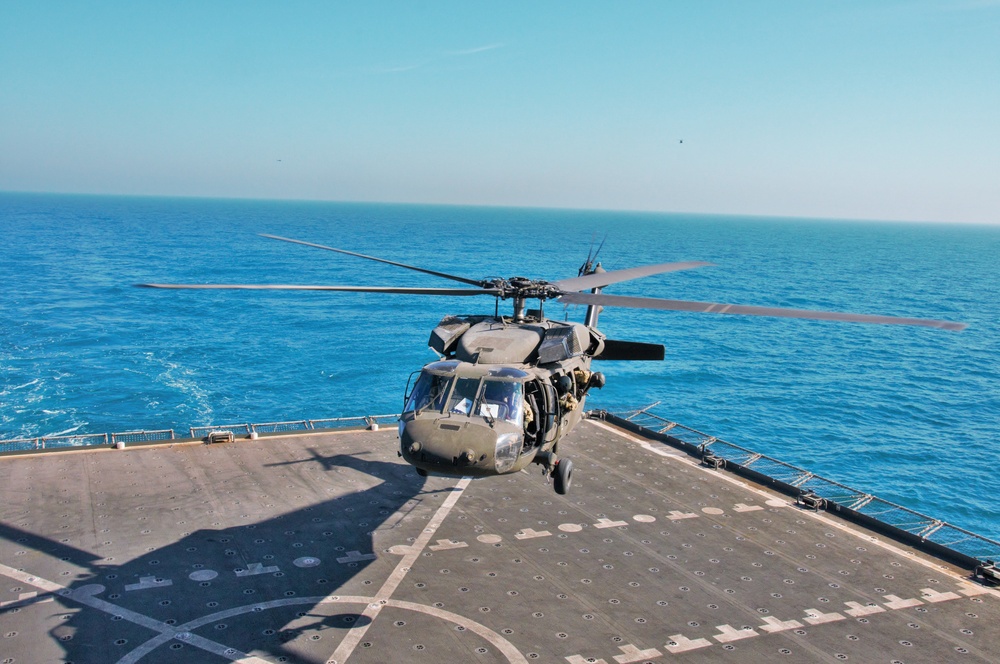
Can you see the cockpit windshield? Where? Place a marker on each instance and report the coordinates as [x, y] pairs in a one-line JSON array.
[[502, 400], [486, 397], [429, 392], [463, 396]]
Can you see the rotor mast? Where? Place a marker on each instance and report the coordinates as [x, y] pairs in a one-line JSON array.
[[520, 290], [593, 310], [518, 309]]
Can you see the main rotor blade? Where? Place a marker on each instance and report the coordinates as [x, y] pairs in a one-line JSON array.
[[463, 280], [601, 279], [715, 308], [348, 289]]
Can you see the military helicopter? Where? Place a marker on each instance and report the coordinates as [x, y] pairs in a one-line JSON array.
[[507, 389]]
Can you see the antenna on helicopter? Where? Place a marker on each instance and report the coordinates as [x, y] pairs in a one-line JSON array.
[[588, 265], [591, 266]]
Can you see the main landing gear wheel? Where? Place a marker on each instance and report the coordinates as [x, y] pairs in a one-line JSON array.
[[563, 475]]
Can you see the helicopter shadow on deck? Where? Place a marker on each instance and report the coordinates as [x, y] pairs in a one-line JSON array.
[[250, 587]]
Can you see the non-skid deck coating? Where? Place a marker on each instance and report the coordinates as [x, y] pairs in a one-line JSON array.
[[327, 548]]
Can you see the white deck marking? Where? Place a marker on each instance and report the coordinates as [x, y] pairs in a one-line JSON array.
[[683, 644], [531, 533], [147, 582], [503, 645], [30, 579], [356, 557], [306, 561], [631, 654], [729, 633], [931, 595], [638, 441], [817, 617], [253, 569], [183, 632], [896, 602], [86, 595], [858, 610], [373, 606], [773, 624], [354, 635], [26, 599], [972, 589], [447, 544], [203, 575]]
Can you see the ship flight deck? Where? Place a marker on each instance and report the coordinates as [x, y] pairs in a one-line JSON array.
[[325, 547]]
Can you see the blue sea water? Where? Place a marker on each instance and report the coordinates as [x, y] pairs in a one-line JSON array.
[[910, 414]]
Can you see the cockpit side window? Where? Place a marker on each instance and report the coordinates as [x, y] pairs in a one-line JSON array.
[[429, 392]]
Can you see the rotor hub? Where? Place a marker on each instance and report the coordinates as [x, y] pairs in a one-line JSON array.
[[522, 288]]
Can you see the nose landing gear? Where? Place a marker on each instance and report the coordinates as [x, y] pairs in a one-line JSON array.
[[563, 475], [559, 469]]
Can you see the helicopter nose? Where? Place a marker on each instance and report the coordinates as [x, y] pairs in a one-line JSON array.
[[446, 445]]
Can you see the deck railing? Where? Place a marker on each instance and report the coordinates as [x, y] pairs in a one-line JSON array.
[[940, 537], [243, 430]]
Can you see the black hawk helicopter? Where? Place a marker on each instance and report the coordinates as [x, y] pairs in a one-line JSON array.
[[506, 389]]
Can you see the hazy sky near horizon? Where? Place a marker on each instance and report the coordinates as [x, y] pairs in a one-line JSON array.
[[870, 109]]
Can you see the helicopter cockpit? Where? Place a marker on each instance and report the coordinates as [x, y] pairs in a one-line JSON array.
[[483, 403], [497, 394]]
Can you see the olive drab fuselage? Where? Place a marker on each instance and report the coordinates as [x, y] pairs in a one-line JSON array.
[[502, 396]]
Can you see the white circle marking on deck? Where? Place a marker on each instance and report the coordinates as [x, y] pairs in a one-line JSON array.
[[203, 575], [306, 561]]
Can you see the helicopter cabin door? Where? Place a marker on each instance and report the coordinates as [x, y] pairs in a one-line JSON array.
[[541, 398]]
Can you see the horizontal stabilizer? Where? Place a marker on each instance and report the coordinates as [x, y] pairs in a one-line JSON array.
[[630, 350]]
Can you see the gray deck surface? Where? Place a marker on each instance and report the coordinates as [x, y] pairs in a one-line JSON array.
[[326, 547]]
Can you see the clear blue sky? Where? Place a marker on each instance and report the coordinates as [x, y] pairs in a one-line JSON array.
[[870, 109]]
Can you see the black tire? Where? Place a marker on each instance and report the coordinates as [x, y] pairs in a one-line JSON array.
[[421, 472], [563, 476]]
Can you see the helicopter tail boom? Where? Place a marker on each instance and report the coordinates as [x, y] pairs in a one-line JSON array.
[[630, 350]]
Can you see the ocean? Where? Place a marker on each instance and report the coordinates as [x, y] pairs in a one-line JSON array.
[[910, 414]]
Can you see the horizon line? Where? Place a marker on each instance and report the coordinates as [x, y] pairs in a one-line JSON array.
[[649, 211]]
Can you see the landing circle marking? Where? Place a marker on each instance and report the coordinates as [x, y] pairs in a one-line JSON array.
[[306, 561], [203, 575]]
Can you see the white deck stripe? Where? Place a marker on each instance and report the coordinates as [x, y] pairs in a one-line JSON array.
[[354, 636]]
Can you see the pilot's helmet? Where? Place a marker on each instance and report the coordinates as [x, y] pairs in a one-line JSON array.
[[564, 384]]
